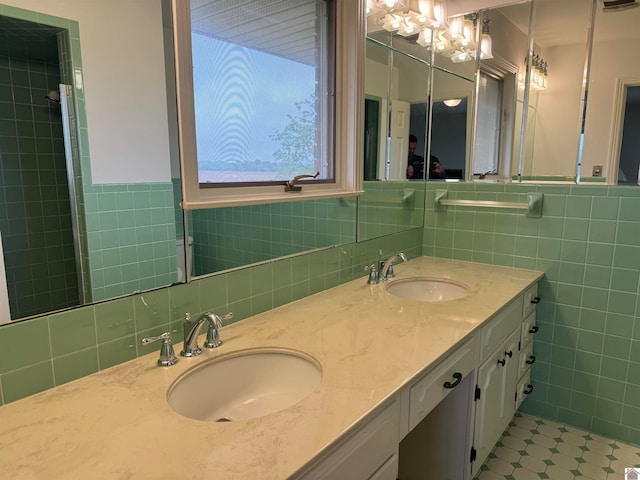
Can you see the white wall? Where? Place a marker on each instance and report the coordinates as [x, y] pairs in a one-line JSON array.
[[611, 59], [124, 80], [557, 130]]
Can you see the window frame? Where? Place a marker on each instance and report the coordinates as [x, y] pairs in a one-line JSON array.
[[348, 133]]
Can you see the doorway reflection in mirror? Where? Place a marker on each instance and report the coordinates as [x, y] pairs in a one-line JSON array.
[[628, 172]]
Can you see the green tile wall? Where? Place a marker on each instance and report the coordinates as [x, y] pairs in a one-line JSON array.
[[35, 215], [229, 237], [131, 237], [390, 207], [587, 371], [38, 354]]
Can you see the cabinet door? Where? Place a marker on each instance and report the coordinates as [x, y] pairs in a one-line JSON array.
[[497, 378], [510, 379]]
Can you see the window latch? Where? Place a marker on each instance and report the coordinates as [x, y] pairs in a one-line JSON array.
[[291, 186]]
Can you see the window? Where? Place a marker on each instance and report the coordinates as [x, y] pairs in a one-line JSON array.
[[268, 96]]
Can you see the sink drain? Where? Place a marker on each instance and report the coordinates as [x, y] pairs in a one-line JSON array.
[[223, 419]]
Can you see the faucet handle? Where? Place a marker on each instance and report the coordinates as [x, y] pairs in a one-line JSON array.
[[167, 355], [213, 335], [373, 274], [390, 273]]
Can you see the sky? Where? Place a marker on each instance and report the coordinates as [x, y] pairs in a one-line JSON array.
[[243, 96]]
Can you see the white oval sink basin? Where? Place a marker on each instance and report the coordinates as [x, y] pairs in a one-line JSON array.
[[245, 384], [428, 289]]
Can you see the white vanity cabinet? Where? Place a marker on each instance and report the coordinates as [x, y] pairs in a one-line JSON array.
[[494, 394], [454, 413], [527, 356], [504, 373], [437, 439]]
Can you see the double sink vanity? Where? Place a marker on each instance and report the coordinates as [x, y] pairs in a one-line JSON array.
[[361, 381]]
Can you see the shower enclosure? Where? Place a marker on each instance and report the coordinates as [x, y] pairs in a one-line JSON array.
[[38, 196]]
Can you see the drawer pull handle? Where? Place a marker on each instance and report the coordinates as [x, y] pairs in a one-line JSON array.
[[509, 353], [535, 300], [533, 329], [458, 377], [531, 359], [502, 362], [528, 390]]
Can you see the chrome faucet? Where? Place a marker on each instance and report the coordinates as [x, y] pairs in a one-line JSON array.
[[386, 267], [192, 329]]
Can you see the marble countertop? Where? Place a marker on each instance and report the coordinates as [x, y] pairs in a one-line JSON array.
[[117, 424]]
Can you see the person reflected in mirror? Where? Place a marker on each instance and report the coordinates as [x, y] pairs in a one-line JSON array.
[[436, 172], [415, 163]]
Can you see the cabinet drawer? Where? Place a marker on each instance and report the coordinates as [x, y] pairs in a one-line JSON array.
[[531, 299], [389, 471], [525, 387], [365, 452], [427, 392], [500, 327], [527, 358], [529, 328]]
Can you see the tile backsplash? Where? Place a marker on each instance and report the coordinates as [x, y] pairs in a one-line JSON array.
[[587, 371], [41, 353]]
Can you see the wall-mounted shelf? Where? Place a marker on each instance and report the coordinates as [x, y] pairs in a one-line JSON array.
[[533, 206]]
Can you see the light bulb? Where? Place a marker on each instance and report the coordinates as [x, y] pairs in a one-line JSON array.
[[407, 28], [452, 102], [440, 13], [468, 40], [425, 38], [456, 27], [486, 47], [391, 22], [460, 57], [426, 17]]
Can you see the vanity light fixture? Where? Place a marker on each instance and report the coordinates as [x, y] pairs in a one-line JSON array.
[[452, 37], [392, 22], [407, 28], [539, 74], [452, 102], [427, 16], [440, 12], [456, 28], [486, 44]]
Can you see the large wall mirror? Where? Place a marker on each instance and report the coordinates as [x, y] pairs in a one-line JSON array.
[[94, 119], [549, 107], [88, 151], [113, 226]]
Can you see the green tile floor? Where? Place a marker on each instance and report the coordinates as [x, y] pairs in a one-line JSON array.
[[533, 448]]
